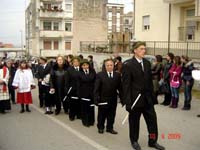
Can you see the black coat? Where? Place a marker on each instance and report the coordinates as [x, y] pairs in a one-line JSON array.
[[12, 71], [42, 72], [135, 81], [87, 84], [72, 81], [106, 89], [57, 81]]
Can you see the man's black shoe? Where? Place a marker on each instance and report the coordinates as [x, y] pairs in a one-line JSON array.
[[157, 146], [57, 112], [71, 118], [100, 131], [112, 131], [136, 146]]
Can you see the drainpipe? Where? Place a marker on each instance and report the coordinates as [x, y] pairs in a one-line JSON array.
[[169, 29]]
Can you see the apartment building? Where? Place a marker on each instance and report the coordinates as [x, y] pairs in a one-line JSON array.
[[57, 26], [115, 14], [128, 23], [49, 27], [162, 20]]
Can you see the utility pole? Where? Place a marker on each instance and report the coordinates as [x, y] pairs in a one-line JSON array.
[[169, 28], [21, 39]]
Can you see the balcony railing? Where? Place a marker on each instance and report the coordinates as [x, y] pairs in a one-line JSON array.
[[177, 1], [190, 49], [52, 14], [54, 34]]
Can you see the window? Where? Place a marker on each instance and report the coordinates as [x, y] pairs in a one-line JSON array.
[[126, 21], [109, 24], [68, 26], [190, 30], [47, 45], [118, 28], [56, 26], [118, 15], [109, 15], [68, 5], [55, 45], [190, 12], [47, 25], [67, 45], [47, 6], [146, 22]]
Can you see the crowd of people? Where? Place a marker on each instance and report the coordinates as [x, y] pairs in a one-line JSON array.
[[72, 83]]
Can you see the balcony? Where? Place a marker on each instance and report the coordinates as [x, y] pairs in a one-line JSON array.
[[51, 13], [57, 1], [177, 1], [54, 34]]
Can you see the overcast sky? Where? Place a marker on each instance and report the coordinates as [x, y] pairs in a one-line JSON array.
[[12, 19]]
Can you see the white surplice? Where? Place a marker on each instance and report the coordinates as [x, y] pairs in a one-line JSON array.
[[23, 80]]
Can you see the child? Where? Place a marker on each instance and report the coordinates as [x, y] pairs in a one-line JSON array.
[[24, 82]]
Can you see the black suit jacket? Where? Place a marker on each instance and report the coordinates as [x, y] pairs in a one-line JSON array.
[[135, 81], [42, 72], [106, 89], [87, 84], [72, 81]]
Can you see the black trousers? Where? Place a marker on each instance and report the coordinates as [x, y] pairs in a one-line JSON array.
[[87, 113], [11, 93], [59, 101], [167, 96], [108, 113], [150, 119], [74, 107], [41, 94]]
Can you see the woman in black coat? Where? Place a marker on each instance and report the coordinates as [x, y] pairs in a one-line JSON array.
[[86, 80], [57, 83]]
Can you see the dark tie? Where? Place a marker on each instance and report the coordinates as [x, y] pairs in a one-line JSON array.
[[86, 72], [76, 68], [110, 75], [141, 63]]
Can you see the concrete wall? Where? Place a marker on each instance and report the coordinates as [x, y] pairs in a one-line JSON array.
[[89, 22], [158, 11]]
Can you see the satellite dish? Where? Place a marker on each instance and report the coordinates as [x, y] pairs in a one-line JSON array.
[[196, 74]]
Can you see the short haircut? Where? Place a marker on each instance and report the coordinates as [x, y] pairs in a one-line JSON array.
[[137, 44]]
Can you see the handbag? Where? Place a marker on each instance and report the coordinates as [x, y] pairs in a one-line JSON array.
[[174, 84]]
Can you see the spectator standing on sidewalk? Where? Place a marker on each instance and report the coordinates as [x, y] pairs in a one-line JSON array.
[[24, 83]]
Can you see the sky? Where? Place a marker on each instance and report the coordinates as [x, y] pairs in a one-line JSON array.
[[12, 19]]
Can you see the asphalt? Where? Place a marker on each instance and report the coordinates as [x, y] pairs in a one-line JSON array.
[[178, 130]]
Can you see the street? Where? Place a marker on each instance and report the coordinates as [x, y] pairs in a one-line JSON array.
[[178, 130]]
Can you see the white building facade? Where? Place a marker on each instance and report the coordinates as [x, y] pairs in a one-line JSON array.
[[161, 20]]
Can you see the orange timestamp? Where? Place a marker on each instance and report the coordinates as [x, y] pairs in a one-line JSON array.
[[169, 136]]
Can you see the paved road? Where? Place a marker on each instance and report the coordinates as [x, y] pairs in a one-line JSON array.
[[178, 130]]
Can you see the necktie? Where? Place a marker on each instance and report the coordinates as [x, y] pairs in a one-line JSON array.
[[141, 63], [110, 75], [76, 68]]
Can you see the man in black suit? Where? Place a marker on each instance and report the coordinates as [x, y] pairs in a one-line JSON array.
[[137, 79], [72, 89], [43, 69], [105, 96]]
